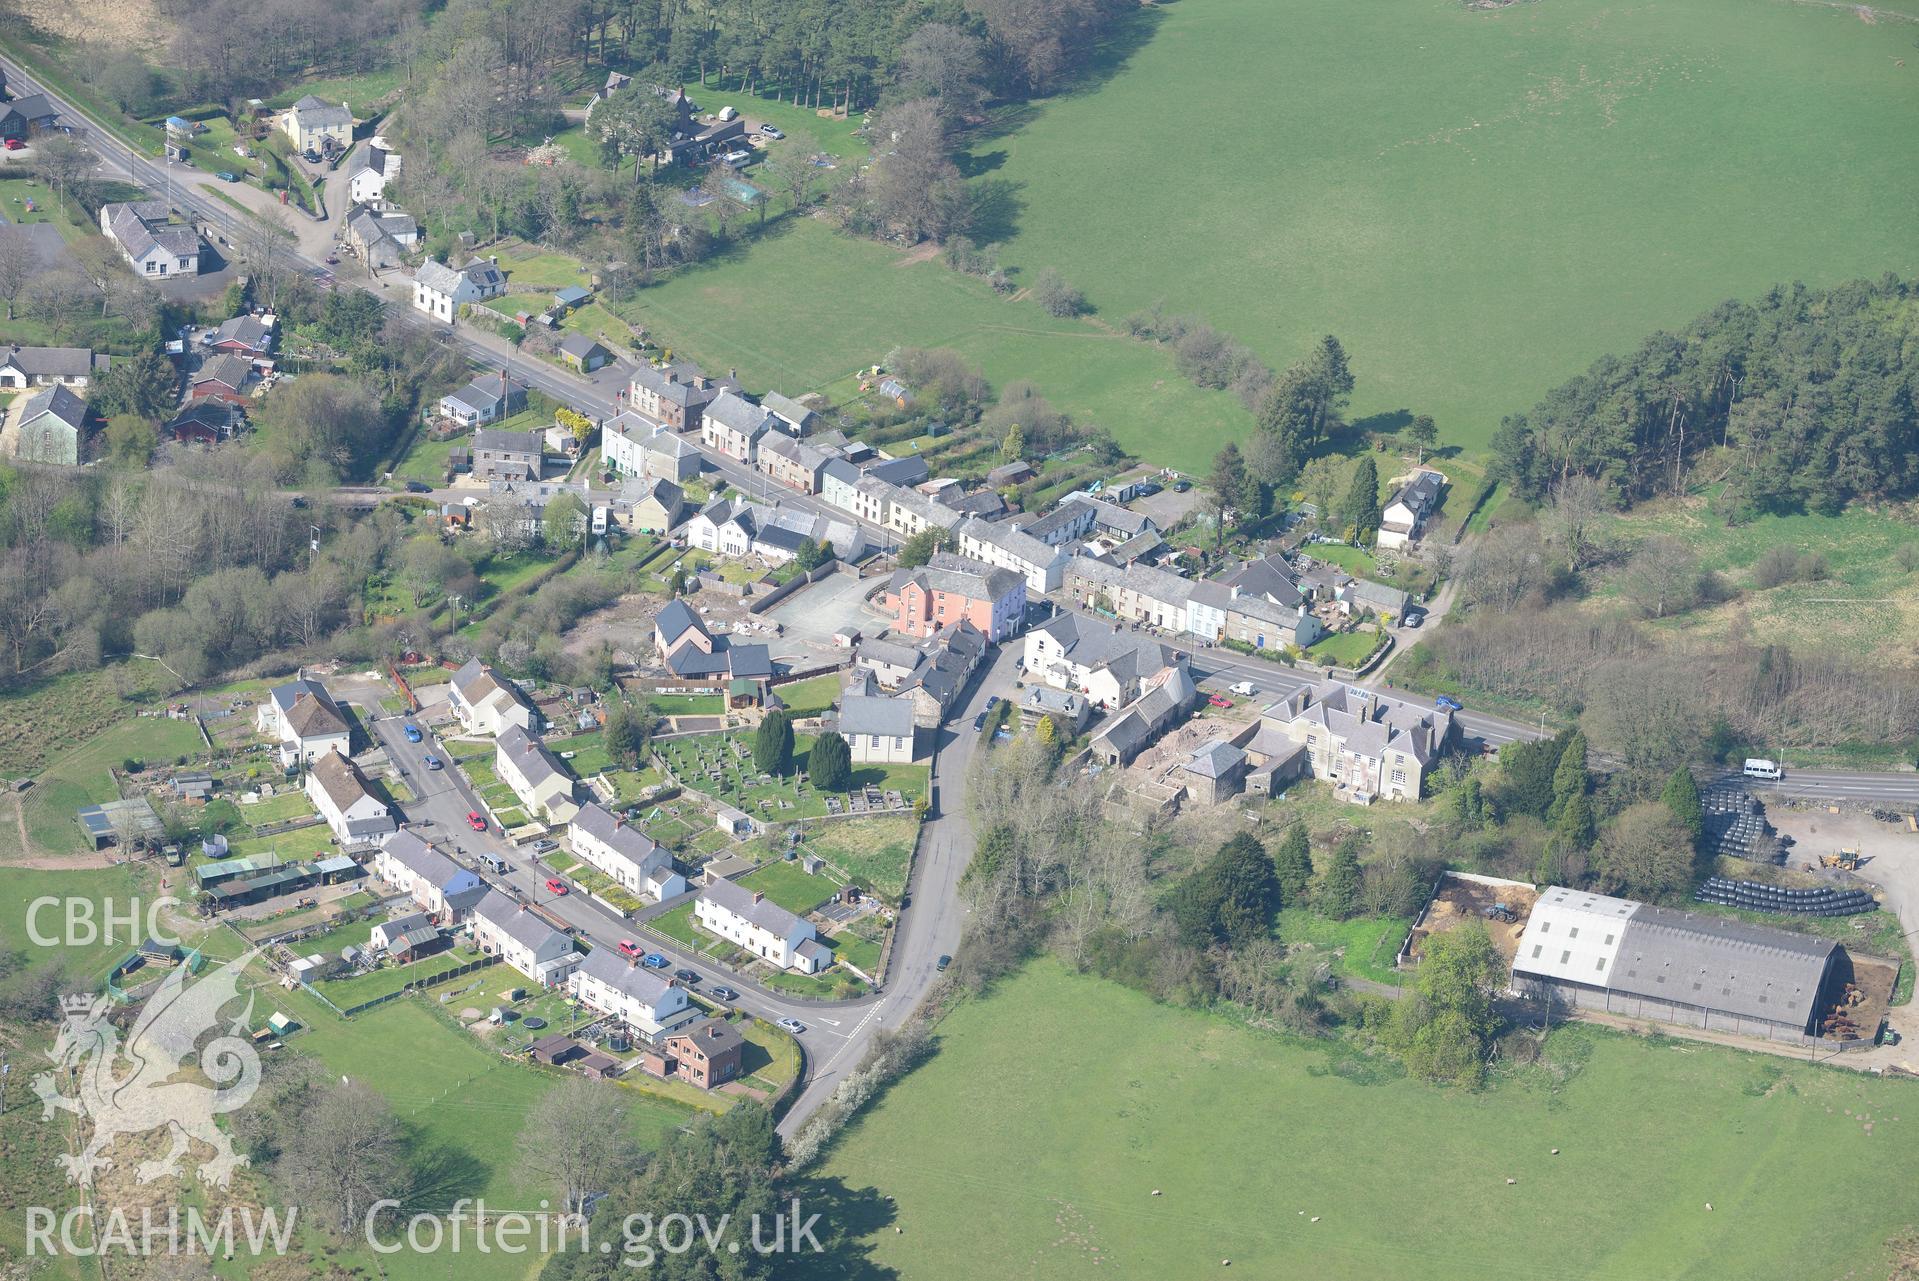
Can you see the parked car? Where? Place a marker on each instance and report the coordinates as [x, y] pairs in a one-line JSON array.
[[332, 260], [474, 821], [992, 701], [771, 132], [722, 994], [432, 761], [1216, 701], [1245, 689], [1412, 620], [14, 144], [542, 845], [942, 963], [686, 976], [629, 949], [418, 487], [412, 732], [1181, 486], [225, 176], [1147, 489], [554, 885], [654, 961], [737, 159], [979, 722], [792, 1025], [1447, 703]]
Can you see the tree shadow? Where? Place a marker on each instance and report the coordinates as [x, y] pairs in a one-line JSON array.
[[852, 1217], [443, 1172], [973, 166], [1390, 423], [995, 207]]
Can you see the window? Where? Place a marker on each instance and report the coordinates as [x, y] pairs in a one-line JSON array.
[[1609, 939], [1399, 776], [1573, 933], [1565, 956], [1545, 927], [1537, 948]]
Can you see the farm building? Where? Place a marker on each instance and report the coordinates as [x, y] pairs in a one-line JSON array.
[[1633, 959]]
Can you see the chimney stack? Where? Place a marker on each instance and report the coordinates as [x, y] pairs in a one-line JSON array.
[[758, 898]]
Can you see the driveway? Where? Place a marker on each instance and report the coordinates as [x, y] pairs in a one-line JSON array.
[[813, 614]]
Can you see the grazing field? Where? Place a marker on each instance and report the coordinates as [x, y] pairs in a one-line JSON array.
[[1478, 202], [1250, 1137], [81, 777], [806, 306]]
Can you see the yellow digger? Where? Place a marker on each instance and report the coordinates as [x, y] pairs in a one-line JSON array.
[[1845, 860]]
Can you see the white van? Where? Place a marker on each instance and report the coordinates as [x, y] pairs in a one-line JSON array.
[[1757, 768], [494, 863], [1245, 688]]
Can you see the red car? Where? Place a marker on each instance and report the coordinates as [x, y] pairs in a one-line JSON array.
[[14, 144], [1217, 701], [629, 949], [555, 887], [474, 821]]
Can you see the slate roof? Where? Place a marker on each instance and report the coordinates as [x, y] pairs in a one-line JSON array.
[[248, 330], [1061, 517], [1214, 759], [340, 779], [309, 710], [625, 977], [580, 347], [229, 369], [437, 276], [876, 714], [1420, 493], [1096, 646], [50, 362], [55, 400], [317, 113], [1722, 964], [1015, 542], [910, 470], [714, 1036], [626, 840], [676, 619], [959, 576], [734, 411], [518, 924], [414, 854], [142, 224], [1271, 577], [738, 900], [787, 408], [504, 442], [530, 757], [674, 390]]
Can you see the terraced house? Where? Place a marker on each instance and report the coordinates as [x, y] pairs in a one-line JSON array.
[[670, 396], [948, 589], [734, 426], [339, 791]]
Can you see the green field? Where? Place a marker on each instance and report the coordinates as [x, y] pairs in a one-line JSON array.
[[1056, 1106], [806, 306], [80, 777], [1478, 203]]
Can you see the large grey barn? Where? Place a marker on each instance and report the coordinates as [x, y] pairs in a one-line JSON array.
[[1641, 961]]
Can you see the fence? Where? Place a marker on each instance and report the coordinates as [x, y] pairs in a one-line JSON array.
[[412, 985], [760, 604]]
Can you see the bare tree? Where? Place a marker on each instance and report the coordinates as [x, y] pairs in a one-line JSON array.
[[345, 1156], [1580, 505], [17, 263], [576, 1135], [1662, 577], [947, 63], [1502, 569]]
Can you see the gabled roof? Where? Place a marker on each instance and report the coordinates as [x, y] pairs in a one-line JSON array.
[[738, 900], [340, 779], [57, 401], [317, 113], [1214, 759], [714, 1036], [959, 576], [735, 412], [876, 714], [1016, 543], [785, 407], [227, 368], [677, 618], [580, 347], [910, 470], [309, 710], [669, 386], [518, 924], [624, 839], [49, 362], [530, 757], [249, 330], [630, 979], [416, 856]]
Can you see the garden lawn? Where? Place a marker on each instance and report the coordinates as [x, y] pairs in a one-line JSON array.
[[1056, 1106], [1354, 560], [859, 300], [426, 460], [790, 885], [1479, 203], [678, 926], [1345, 649], [811, 697]]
